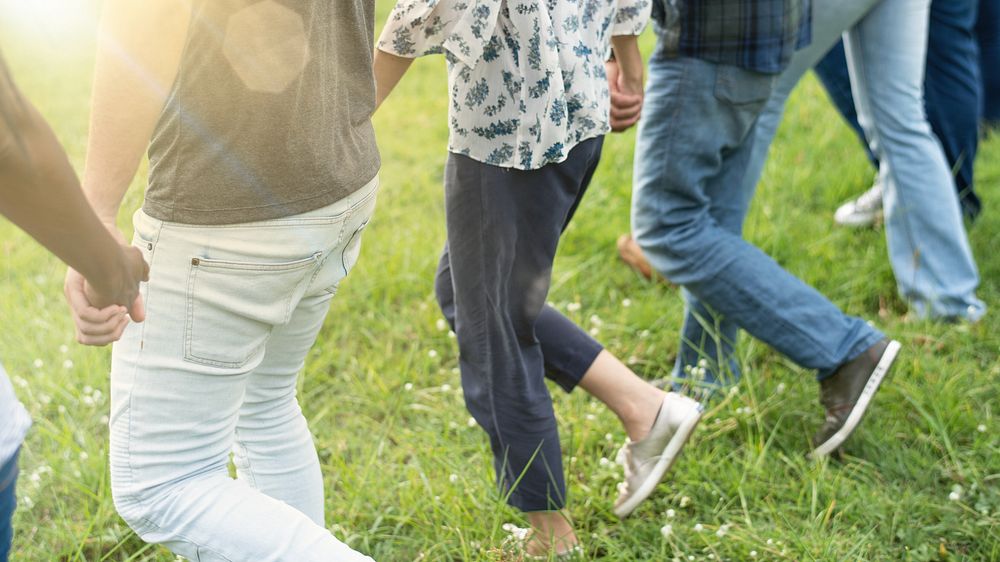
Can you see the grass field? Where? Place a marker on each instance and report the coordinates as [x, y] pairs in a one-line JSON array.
[[408, 478]]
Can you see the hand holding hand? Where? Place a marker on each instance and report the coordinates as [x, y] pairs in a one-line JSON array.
[[101, 310], [626, 97]]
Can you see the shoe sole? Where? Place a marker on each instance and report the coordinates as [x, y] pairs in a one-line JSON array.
[[670, 454], [882, 370]]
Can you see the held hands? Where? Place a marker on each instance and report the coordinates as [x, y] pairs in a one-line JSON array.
[[626, 96], [101, 308]]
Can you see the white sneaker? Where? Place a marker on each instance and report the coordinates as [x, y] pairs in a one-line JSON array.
[[647, 461], [866, 210]]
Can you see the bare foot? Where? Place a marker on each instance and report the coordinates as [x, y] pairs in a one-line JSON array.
[[632, 255]]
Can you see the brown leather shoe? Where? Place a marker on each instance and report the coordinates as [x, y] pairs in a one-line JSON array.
[[632, 255], [847, 394]]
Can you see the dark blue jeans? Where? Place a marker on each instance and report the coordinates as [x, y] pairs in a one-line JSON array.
[[8, 501], [504, 227], [988, 33], [953, 90]]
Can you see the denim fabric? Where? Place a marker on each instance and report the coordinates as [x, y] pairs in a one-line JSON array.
[[928, 247], [988, 33], [231, 313], [8, 502], [503, 230], [694, 142], [952, 91]]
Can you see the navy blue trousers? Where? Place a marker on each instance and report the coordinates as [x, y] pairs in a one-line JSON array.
[[8, 501], [953, 90], [492, 284]]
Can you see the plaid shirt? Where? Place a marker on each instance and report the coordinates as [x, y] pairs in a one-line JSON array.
[[758, 35]]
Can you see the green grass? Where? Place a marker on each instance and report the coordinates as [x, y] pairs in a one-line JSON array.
[[389, 451]]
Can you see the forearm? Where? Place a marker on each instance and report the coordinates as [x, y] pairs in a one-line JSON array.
[[389, 70], [138, 57], [41, 195], [629, 59]]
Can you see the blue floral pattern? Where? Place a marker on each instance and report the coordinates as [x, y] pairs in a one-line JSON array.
[[526, 77]]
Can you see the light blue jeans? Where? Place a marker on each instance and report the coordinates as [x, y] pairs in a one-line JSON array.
[[886, 45], [688, 208], [231, 313]]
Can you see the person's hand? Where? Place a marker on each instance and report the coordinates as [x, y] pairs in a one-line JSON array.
[[101, 310], [626, 96]]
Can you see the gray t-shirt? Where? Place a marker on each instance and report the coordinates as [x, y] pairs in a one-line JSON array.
[[270, 115], [14, 420]]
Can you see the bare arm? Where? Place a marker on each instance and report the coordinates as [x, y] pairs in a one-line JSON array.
[[389, 70], [138, 56], [41, 194]]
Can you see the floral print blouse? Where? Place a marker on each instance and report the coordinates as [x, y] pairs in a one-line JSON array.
[[526, 77]]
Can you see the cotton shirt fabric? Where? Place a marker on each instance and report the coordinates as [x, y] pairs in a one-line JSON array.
[[269, 116], [526, 78], [757, 35], [14, 422]]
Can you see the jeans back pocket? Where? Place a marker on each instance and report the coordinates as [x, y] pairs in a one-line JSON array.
[[232, 306]]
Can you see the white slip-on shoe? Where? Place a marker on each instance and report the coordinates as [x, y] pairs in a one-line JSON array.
[[866, 210], [648, 460]]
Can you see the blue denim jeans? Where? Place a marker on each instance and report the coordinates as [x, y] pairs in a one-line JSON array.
[[8, 501], [886, 43], [953, 91], [694, 143]]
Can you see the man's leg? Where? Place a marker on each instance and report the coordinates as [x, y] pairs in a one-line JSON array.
[[180, 380], [8, 502], [677, 161], [928, 247]]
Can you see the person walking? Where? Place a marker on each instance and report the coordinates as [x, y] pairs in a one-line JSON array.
[[708, 85], [263, 176], [529, 108]]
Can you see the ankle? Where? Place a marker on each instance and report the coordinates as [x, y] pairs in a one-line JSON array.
[[550, 531], [639, 417]]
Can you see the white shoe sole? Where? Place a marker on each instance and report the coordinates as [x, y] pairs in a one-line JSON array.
[[854, 418], [670, 454]]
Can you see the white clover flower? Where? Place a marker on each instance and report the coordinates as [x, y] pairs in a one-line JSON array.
[[981, 428], [671, 514], [666, 531], [780, 388], [573, 306], [770, 541], [39, 363], [453, 478], [77, 474], [88, 400], [609, 437], [734, 390], [61, 409], [63, 349], [455, 371], [84, 456], [441, 325], [98, 395], [88, 389], [68, 364], [445, 387], [595, 331], [105, 420], [452, 425], [596, 320], [632, 360], [471, 422], [753, 554], [432, 353], [604, 461], [408, 386], [685, 501], [955, 496], [644, 334], [626, 303], [591, 417], [698, 527], [703, 363], [451, 334], [19, 381]]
